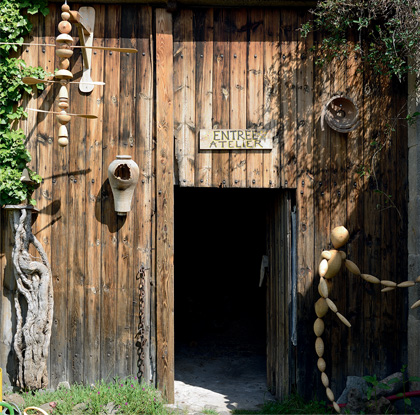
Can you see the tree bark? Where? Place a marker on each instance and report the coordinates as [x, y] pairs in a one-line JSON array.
[[34, 287]]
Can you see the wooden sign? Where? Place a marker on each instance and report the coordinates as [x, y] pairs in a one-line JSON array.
[[235, 140]]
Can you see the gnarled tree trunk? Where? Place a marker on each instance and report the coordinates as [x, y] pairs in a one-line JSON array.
[[34, 287]]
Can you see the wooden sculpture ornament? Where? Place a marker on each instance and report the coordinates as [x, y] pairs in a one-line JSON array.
[[329, 266]]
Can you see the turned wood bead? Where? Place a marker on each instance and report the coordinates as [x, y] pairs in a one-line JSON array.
[[319, 327], [319, 347], [64, 38], [321, 307], [65, 8], [64, 27], [63, 118], [330, 394], [63, 136], [321, 364], [324, 379], [63, 74], [65, 15], [64, 53], [64, 64]]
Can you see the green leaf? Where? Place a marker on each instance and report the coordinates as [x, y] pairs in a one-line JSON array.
[[370, 379], [407, 401], [414, 379]]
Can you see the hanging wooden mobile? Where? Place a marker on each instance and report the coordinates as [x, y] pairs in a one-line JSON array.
[[84, 20]]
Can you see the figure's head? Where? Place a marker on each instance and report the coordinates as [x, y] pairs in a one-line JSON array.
[[339, 236]]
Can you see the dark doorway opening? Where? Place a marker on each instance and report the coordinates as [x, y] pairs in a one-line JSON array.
[[220, 309]]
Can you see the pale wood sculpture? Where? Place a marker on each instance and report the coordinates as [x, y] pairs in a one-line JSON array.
[[329, 266], [35, 295], [84, 20]]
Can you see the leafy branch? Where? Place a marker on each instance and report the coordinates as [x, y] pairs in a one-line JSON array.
[[388, 32], [14, 25]]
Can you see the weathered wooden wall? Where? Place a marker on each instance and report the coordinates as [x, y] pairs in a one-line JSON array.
[[101, 263], [208, 68]]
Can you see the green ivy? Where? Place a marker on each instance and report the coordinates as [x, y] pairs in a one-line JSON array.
[[14, 25]]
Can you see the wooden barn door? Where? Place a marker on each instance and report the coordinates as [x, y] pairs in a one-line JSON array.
[[279, 295]]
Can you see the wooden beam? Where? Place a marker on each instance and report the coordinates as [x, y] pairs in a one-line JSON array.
[[226, 3], [165, 203]]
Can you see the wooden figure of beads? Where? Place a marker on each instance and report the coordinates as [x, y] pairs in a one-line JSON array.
[[329, 266]]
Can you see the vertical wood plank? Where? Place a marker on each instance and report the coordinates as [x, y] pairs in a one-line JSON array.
[[126, 142], [271, 158], [60, 370], [387, 166], [109, 221], [255, 93], [338, 217], [372, 223], [221, 95], [270, 297], [280, 306], [46, 126], [288, 45], [203, 31], [144, 196], [400, 191], [184, 97], [165, 203], [76, 228], [238, 92], [93, 283], [321, 165], [306, 258], [354, 223]]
